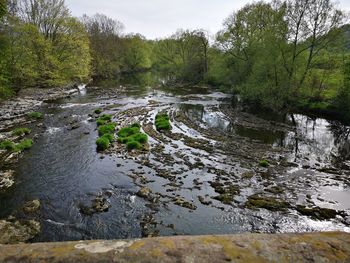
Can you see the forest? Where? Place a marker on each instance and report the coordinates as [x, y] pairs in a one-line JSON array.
[[281, 55]]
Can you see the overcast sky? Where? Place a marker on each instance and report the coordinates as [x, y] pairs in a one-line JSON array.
[[161, 18]]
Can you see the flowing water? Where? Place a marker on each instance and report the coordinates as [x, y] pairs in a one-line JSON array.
[[65, 172]]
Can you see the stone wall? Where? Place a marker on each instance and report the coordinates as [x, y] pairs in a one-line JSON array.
[[311, 247]]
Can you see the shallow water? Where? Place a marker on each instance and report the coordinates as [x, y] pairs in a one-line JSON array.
[[64, 171]]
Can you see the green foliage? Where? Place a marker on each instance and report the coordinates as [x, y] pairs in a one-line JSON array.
[[105, 129], [264, 163], [132, 137], [98, 111], [7, 145], [130, 145], [35, 115], [13, 147], [109, 137], [162, 122], [102, 143], [21, 131], [104, 119], [3, 8]]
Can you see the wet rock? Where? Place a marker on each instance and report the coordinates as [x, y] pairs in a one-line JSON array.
[[182, 202], [14, 231], [144, 192], [269, 203], [317, 213], [98, 205], [6, 179], [31, 206], [73, 126], [203, 201], [329, 170]]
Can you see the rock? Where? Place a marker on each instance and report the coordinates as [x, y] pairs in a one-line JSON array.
[[318, 213], [98, 205], [144, 192], [31, 206], [18, 231], [182, 202], [269, 203], [6, 179]]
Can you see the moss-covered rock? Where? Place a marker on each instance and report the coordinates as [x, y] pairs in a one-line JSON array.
[[162, 122], [317, 213], [269, 203]]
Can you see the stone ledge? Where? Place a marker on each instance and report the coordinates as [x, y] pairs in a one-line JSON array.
[[309, 247]]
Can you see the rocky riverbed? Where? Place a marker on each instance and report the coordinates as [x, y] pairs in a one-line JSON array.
[[220, 169]]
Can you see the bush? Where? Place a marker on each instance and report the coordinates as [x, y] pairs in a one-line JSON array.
[[162, 122], [130, 145], [98, 111], [35, 115], [264, 163], [102, 143], [7, 145], [107, 128], [21, 131]]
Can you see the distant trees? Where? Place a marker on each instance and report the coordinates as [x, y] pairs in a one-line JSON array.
[[274, 47], [42, 45], [183, 56]]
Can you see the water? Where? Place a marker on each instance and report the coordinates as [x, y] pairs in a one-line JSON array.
[[64, 171]]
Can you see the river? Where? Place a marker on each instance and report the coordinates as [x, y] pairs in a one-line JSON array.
[[212, 146]]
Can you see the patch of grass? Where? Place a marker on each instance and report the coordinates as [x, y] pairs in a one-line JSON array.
[[103, 143], [21, 131], [13, 147], [162, 122], [35, 115], [101, 122], [7, 145], [264, 163], [269, 203], [98, 111], [109, 137], [24, 145], [106, 117], [106, 129], [130, 145], [132, 137]]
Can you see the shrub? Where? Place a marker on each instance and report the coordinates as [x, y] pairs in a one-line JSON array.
[[7, 145], [21, 131], [107, 128], [35, 115], [102, 143], [264, 163], [130, 145], [162, 122], [98, 111]]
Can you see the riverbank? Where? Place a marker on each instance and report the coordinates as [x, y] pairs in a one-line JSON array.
[[315, 247]]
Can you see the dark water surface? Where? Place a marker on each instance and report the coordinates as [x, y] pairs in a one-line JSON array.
[[64, 171]]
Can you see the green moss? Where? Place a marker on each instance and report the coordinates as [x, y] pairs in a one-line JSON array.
[[132, 137], [269, 203], [128, 131], [109, 137], [102, 143], [264, 163], [7, 145], [106, 117], [101, 122], [317, 213], [162, 122], [24, 145], [130, 145], [21, 131], [98, 111], [107, 128], [35, 115]]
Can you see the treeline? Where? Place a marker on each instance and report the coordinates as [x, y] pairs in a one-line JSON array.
[[282, 55]]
